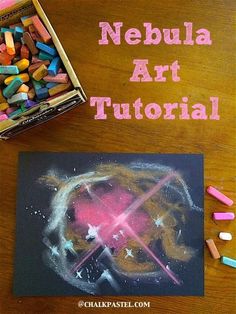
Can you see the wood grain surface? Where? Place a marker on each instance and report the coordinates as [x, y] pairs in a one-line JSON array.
[[104, 71]]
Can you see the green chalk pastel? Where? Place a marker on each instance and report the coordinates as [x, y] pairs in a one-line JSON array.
[[11, 89], [15, 113], [45, 56], [37, 84], [228, 261], [9, 69], [17, 98], [4, 30]]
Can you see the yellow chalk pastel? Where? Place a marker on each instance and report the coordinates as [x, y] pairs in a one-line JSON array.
[[24, 77], [59, 89], [22, 64], [40, 73], [4, 106], [2, 98], [6, 124]]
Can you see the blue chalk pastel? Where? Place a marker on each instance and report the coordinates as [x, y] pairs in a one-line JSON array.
[[23, 108], [54, 66], [17, 98], [228, 261], [18, 33], [42, 93], [45, 48], [45, 56], [51, 85], [30, 104], [4, 30], [11, 89], [37, 84], [9, 69]]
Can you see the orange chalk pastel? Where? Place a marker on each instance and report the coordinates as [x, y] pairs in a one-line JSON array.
[[23, 89], [10, 43], [213, 249]]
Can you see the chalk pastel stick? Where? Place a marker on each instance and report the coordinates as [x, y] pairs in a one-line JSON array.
[[42, 93], [26, 20], [5, 58], [59, 78], [15, 113], [4, 106], [10, 43], [4, 30], [59, 89], [40, 73], [17, 48], [23, 89], [10, 110], [28, 41], [17, 98], [3, 47], [213, 249], [224, 216], [3, 117], [34, 34], [10, 69], [24, 77], [35, 59], [2, 98], [22, 64], [54, 67], [45, 56], [228, 261], [46, 48], [18, 33], [24, 52], [51, 85], [31, 94], [30, 103], [41, 29], [226, 236], [220, 196], [37, 85], [35, 66], [11, 89]]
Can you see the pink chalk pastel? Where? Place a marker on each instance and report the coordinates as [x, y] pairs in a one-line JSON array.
[[224, 216], [3, 117], [3, 47], [220, 196], [59, 78]]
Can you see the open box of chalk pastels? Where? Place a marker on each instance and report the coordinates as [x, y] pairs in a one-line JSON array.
[[37, 80]]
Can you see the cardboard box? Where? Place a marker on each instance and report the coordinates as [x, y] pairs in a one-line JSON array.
[[45, 110]]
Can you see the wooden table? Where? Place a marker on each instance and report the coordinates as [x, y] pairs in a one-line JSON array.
[[105, 71]]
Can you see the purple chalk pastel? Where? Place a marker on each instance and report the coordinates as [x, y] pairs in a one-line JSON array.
[[224, 216], [30, 103], [220, 196]]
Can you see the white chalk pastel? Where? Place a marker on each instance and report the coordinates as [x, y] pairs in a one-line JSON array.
[[225, 236]]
